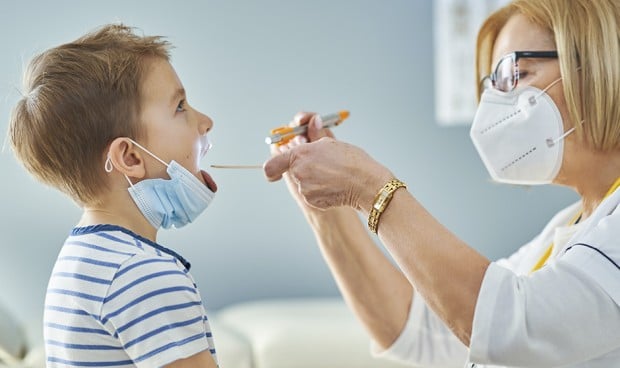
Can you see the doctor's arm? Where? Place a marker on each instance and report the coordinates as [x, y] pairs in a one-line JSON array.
[[371, 285], [374, 289], [442, 268]]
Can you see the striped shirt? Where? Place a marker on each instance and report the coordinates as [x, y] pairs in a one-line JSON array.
[[116, 299]]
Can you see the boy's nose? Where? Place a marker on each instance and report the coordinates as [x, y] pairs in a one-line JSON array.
[[204, 122]]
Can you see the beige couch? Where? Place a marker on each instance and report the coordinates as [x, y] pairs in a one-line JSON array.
[[292, 333]]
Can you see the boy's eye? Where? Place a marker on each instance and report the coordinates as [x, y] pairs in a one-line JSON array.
[[181, 106]]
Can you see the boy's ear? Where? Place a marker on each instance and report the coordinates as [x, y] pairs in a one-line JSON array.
[[126, 158]]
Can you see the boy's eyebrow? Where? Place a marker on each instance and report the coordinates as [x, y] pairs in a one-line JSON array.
[[178, 94]]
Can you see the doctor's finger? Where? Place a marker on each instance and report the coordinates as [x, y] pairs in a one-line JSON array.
[[315, 129], [277, 165], [301, 118]]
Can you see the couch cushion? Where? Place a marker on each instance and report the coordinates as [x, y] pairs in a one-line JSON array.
[[233, 350], [300, 333]]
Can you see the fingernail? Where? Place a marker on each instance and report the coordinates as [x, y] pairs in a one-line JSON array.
[[283, 148], [318, 122], [302, 139]]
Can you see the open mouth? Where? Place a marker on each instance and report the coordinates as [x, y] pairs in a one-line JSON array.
[[209, 182]]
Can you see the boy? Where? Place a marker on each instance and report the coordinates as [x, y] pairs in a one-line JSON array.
[[104, 119]]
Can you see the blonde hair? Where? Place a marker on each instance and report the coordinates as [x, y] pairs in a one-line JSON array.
[[586, 34], [77, 98]]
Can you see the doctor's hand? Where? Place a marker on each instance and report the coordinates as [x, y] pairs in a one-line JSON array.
[[327, 173], [315, 132]]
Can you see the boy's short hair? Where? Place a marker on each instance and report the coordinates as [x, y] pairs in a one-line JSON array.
[[77, 98]]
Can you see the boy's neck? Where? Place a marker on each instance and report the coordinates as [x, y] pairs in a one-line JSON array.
[[122, 212]]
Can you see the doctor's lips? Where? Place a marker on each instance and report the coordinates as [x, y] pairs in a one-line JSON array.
[[282, 135]]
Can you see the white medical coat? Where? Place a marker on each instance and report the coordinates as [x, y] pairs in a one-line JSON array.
[[566, 314]]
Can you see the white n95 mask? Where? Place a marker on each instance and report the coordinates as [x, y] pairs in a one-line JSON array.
[[519, 135]]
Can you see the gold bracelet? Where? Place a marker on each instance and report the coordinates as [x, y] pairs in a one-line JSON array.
[[381, 202]]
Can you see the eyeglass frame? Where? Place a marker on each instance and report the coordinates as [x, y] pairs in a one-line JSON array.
[[516, 55]]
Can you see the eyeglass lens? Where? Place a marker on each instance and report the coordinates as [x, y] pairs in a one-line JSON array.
[[505, 74]]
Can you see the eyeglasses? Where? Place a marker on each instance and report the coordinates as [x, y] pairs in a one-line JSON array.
[[506, 74]]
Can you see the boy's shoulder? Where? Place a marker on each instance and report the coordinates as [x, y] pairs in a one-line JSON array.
[[98, 262], [110, 250], [126, 294]]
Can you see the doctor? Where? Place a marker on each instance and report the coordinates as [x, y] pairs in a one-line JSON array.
[[549, 112]]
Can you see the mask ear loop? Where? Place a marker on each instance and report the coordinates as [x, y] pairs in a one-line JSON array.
[[149, 152], [108, 162], [552, 142], [532, 100], [108, 167]]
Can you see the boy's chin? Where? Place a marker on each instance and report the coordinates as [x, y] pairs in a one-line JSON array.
[[208, 180]]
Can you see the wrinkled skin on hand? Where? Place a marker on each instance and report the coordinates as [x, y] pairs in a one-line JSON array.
[[325, 172]]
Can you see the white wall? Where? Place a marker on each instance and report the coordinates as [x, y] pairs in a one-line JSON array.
[[251, 65]]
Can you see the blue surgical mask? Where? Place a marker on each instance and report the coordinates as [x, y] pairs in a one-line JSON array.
[[170, 202]]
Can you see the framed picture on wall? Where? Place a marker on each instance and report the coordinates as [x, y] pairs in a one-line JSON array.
[[456, 24]]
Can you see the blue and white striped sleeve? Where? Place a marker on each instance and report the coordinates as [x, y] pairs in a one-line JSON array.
[[153, 307]]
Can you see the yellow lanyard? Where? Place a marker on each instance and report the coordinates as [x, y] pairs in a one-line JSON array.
[[574, 220]]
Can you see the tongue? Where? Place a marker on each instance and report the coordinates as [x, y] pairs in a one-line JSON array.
[[209, 181]]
